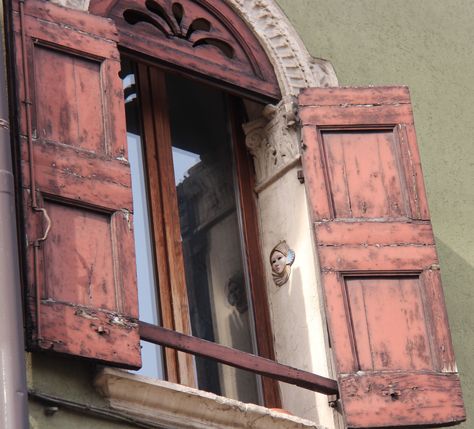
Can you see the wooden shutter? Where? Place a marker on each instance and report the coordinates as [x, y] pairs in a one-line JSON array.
[[381, 280], [76, 182]]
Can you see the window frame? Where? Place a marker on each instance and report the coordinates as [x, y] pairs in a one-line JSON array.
[[164, 214]]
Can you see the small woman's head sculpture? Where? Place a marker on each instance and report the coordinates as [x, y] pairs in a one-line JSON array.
[[281, 259]]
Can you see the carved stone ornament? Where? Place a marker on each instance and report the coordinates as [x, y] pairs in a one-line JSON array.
[[281, 260], [273, 142], [293, 65]]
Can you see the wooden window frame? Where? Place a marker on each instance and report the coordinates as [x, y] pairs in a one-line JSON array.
[[169, 261]]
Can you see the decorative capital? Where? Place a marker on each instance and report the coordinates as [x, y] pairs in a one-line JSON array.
[[273, 142]]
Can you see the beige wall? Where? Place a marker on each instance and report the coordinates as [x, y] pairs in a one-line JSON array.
[[427, 45]]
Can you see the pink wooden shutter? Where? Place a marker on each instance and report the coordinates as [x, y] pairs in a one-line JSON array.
[[381, 280], [81, 278]]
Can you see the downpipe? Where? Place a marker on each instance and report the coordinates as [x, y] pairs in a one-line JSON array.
[[13, 390]]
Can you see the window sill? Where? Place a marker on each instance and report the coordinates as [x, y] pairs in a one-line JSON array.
[[179, 406]]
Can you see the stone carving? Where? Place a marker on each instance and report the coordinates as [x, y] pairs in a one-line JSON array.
[[294, 67], [281, 259], [272, 139], [273, 142]]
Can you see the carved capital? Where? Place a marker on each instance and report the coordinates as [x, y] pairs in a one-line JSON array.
[[273, 142]]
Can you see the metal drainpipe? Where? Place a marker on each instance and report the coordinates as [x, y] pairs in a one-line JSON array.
[[13, 391]]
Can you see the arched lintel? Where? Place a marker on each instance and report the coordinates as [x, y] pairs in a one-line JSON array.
[[207, 38], [294, 67]]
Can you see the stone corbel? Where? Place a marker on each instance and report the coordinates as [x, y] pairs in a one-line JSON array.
[[273, 142]]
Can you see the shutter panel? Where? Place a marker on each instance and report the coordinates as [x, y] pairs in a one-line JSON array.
[[385, 307], [81, 278]]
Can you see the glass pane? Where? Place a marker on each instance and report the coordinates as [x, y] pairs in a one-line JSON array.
[[211, 237], [147, 293]]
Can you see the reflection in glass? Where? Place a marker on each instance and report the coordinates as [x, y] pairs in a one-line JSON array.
[[212, 242], [147, 292]]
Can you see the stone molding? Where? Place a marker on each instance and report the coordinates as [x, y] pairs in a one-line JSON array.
[[181, 407], [294, 66]]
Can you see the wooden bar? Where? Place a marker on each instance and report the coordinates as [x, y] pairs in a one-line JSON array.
[[236, 358]]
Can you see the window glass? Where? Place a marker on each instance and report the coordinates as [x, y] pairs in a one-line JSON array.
[[147, 280], [210, 231]]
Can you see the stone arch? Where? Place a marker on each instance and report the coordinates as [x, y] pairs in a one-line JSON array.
[[294, 66]]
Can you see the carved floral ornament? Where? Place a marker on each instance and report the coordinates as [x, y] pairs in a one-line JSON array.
[[203, 37], [174, 22]]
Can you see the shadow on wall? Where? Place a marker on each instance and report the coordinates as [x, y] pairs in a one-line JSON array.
[[458, 283]]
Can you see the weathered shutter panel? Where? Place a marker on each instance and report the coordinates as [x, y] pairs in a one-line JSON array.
[[381, 280], [81, 271]]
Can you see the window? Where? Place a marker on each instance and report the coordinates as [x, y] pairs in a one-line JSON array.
[[191, 249], [77, 210]]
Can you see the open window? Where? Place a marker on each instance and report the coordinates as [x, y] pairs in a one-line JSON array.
[[197, 265]]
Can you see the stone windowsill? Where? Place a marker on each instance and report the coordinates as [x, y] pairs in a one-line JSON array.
[[178, 406]]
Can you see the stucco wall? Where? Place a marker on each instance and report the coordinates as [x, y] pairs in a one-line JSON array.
[[427, 45]]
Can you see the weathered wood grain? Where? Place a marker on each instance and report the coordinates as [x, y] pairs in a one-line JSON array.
[[407, 399], [376, 249], [81, 291]]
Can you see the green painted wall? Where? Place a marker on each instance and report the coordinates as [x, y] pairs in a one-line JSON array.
[[427, 45], [71, 380]]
